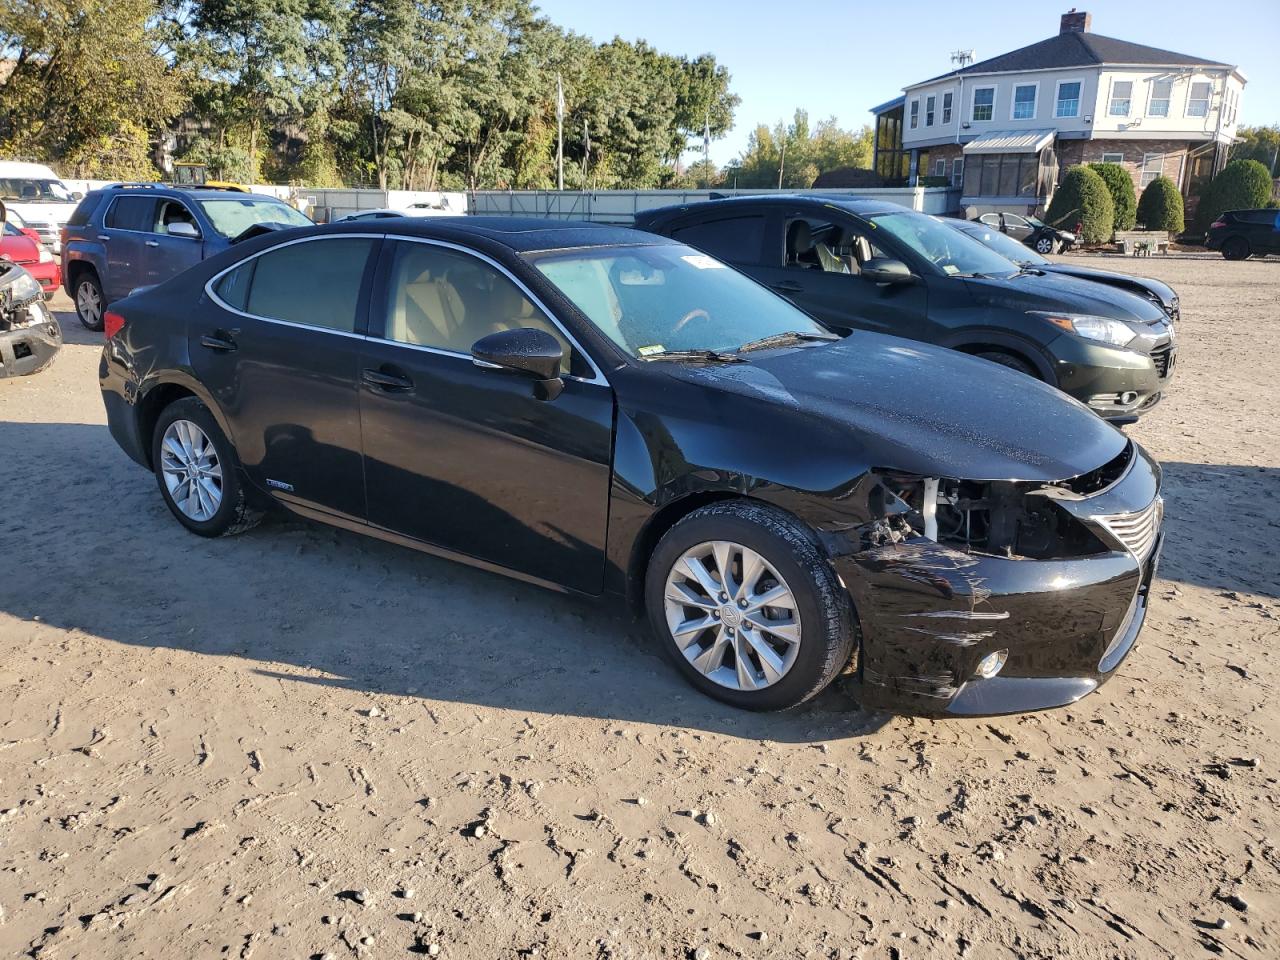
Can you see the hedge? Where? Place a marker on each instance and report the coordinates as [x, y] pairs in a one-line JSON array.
[[1083, 198], [1161, 207], [1120, 184], [1242, 185]]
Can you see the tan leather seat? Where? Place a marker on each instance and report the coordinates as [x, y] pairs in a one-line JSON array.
[[428, 311]]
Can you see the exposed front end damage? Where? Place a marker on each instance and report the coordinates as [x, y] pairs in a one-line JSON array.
[[997, 596], [29, 334]]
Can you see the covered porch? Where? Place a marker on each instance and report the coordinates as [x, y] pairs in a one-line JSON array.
[[1010, 171]]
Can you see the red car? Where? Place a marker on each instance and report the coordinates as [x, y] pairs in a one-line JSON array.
[[23, 247]]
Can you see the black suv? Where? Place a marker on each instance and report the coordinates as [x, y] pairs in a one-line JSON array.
[[1241, 234], [869, 265]]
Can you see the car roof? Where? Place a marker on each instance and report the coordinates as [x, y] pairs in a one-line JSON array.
[[856, 205], [199, 193], [522, 234]]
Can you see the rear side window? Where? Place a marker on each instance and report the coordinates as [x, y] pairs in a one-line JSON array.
[[732, 239], [86, 209], [132, 213], [233, 288], [316, 283]]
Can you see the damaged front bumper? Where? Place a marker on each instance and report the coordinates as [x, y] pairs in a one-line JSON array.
[[935, 618], [30, 338]]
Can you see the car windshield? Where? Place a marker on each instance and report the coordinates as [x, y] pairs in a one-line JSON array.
[[1005, 245], [949, 250], [664, 299], [233, 216], [11, 230], [1035, 222], [34, 191]]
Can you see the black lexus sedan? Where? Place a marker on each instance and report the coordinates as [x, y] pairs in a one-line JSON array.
[[605, 412], [1161, 294], [873, 265]]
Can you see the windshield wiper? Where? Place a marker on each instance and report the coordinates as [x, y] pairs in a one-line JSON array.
[[697, 356], [784, 339]]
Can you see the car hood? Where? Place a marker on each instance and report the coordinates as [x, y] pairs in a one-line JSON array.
[[916, 408], [1142, 286], [1057, 291]]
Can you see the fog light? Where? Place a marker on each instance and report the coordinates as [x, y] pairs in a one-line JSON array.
[[991, 664]]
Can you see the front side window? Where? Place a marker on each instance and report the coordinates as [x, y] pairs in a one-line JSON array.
[[315, 283], [1198, 102], [951, 252], [132, 213], [446, 299], [660, 299], [946, 107], [171, 212], [984, 103], [733, 239], [818, 244], [915, 114], [233, 216], [929, 104], [1161, 90], [1121, 95], [1024, 101], [1068, 99]]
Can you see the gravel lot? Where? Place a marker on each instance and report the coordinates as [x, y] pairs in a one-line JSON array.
[[302, 743]]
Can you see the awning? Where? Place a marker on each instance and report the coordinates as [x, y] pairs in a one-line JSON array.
[[1011, 141]]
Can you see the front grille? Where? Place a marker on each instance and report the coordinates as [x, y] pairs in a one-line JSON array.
[[1136, 532], [1161, 357]]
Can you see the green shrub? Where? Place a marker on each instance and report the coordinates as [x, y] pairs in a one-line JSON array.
[[1083, 198], [1120, 185], [1161, 206], [1242, 185]]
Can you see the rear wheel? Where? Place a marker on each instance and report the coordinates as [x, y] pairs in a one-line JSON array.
[[748, 607], [1237, 248], [90, 303], [1010, 361], [198, 473]]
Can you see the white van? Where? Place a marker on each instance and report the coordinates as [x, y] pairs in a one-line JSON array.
[[42, 200]]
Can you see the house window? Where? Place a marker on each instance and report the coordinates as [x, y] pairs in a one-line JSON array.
[[984, 104], [915, 114], [929, 104], [1068, 99], [1121, 94], [1160, 93], [946, 107], [939, 168], [1152, 166], [1198, 101], [957, 170], [1024, 101], [1113, 158]]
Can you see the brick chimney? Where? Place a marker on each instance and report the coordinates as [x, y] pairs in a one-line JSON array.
[[1073, 22]]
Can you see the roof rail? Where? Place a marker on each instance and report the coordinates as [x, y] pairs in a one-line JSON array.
[[138, 186]]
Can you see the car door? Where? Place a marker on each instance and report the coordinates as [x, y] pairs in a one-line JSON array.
[[1017, 227], [166, 254], [467, 458], [126, 229], [278, 346], [824, 278]]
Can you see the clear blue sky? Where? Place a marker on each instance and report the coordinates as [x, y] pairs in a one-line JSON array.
[[840, 58]]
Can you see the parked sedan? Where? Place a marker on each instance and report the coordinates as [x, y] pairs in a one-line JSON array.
[[605, 412], [1030, 231], [870, 265], [1161, 294], [1241, 234]]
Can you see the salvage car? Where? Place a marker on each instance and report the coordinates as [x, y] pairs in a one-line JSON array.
[[872, 265], [1031, 231], [29, 334], [1161, 294], [605, 412]]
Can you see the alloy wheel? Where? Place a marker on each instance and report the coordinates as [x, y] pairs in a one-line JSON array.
[[732, 615], [89, 303], [192, 471], [1044, 245]]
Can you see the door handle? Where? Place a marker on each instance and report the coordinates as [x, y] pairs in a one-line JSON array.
[[787, 286], [220, 341], [391, 382], [153, 243], [104, 237]]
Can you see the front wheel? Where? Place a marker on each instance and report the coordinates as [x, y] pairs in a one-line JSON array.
[[1010, 361], [1237, 248], [1045, 246], [90, 303], [744, 601]]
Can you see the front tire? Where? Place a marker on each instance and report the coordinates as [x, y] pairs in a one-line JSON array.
[[90, 302], [1237, 248], [745, 602], [1010, 361], [1045, 246], [198, 472]]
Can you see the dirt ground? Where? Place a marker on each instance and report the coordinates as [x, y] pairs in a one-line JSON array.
[[303, 743]]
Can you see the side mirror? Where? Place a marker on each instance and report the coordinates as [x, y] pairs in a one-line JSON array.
[[183, 229], [884, 270], [534, 353], [77, 196]]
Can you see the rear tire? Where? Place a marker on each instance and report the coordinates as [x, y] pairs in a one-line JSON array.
[[1236, 248], [770, 554], [198, 471], [1010, 361], [89, 299]]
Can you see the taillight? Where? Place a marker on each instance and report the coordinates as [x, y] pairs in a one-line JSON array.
[[1217, 223], [112, 323]]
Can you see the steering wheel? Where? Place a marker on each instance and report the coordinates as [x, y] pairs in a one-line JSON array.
[[697, 313]]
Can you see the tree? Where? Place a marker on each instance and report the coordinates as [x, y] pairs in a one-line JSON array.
[[1261, 144], [1083, 198], [1120, 185], [794, 155], [1242, 185], [1160, 207]]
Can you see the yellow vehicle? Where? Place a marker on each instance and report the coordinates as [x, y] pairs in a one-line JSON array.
[[197, 175]]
